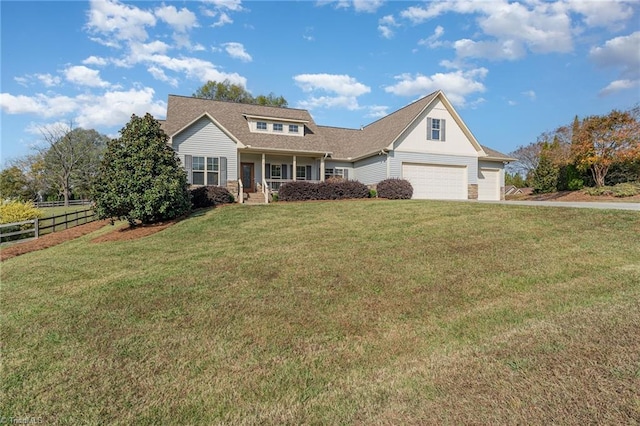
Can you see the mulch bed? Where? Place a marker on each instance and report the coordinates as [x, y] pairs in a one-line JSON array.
[[55, 238]]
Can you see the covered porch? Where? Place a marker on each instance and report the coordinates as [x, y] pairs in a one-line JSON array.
[[266, 170]]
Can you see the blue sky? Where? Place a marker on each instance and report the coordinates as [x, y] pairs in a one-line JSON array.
[[512, 69]]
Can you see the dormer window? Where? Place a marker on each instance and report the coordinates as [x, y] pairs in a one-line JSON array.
[[261, 125], [293, 128], [435, 129], [277, 127]]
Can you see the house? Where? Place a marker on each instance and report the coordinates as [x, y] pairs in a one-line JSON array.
[[513, 190], [253, 149]]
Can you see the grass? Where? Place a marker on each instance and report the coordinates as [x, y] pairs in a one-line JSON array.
[[55, 211], [403, 312]]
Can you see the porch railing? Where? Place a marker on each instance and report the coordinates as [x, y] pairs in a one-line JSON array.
[[274, 184]]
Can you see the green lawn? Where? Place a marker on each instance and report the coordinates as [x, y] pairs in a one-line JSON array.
[[394, 312]]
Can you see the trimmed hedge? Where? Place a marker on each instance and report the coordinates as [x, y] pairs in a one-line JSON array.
[[332, 189], [207, 196], [395, 189]]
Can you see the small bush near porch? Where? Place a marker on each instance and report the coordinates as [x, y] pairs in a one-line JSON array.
[[332, 189], [207, 196]]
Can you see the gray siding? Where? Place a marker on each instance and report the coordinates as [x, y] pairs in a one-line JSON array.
[[205, 139], [397, 158], [371, 170]]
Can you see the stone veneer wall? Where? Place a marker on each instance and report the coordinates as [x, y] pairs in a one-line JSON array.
[[473, 191], [502, 197], [233, 187]]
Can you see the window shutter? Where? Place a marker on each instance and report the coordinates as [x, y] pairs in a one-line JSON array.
[[268, 170], [284, 171], [442, 123], [429, 124], [188, 165], [308, 177], [223, 172]]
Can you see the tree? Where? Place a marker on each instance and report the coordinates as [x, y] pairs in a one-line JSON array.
[[605, 140], [528, 157], [226, 91], [71, 157], [514, 179], [14, 185], [545, 176], [140, 176]]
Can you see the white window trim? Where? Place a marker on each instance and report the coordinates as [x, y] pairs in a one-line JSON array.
[[205, 171]]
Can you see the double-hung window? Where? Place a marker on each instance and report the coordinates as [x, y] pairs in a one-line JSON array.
[[197, 172], [435, 129], [293, 128], [276, 171], [261, 125], [301, 173], [277, 127], [213, 171]]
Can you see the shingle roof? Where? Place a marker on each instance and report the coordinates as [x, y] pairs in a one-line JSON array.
[[342, 143], [496, 155], [182, 111]]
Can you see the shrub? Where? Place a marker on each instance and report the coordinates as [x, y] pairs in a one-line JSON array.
[[373, 193], [332, 189], [17, 211], [619, 190], [140, 177], [207, 196], [395, 189]]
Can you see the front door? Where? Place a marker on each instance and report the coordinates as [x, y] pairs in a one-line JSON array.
[[247, 177]]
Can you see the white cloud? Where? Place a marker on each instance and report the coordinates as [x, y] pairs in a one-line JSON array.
[[159, 74], [378, 111], [95, 60], [233, 5], [110, 18], [386, 25], [48, 79], [114, 108], [236, 50], [530, 94], [223, 19], [343, 90], [111, 108], [84, 76], [609, 14], [22, 81], [618, 85], [180, 20], [433, 40], [458, 85], [510, 29], [196, 69], [40, 104], [368, 6], [507, 49], [622, 53]]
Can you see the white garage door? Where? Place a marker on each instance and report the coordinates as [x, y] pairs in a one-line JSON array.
[[489, 184], [436, 182]]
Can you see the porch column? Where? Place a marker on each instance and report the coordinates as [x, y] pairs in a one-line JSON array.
[[264, 173], [294, 172], [322, 169]]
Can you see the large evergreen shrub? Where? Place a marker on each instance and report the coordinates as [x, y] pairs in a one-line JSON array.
[[140, 176]]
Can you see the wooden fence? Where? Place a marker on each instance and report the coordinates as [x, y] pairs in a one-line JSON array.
[[47, 225], [42, 204]]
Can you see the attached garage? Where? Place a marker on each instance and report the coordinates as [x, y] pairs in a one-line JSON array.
[[437, 182], [489, 184]]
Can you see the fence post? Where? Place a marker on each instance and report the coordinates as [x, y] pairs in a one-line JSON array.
[[36, 227], [76, 217], [53, 219]]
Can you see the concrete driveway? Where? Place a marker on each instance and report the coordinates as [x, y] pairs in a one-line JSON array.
[[573, 204]]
